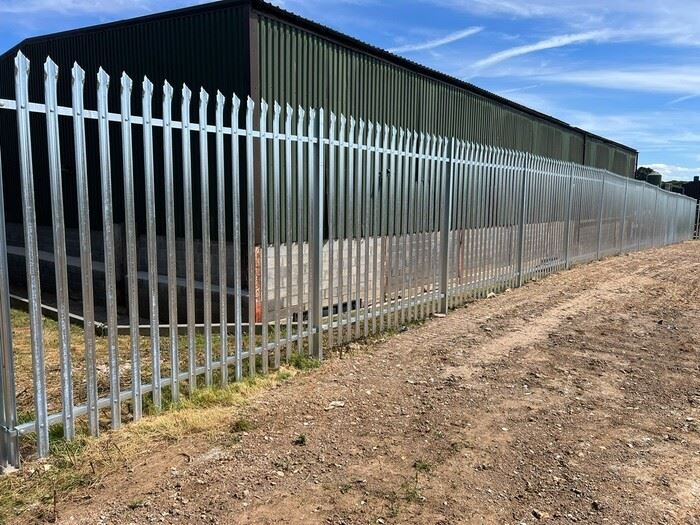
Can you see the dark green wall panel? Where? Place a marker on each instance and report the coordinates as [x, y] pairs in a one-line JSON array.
[[302, 68]]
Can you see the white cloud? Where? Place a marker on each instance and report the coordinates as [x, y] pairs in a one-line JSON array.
[[671, 22], [548, 43], [671, 172], [655, 79], [76, 7], [437, 42]]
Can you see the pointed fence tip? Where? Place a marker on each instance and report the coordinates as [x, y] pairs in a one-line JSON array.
[[147, 84], [102, 78], [126, 80], [77, 73], [21, 60], [49, 64]]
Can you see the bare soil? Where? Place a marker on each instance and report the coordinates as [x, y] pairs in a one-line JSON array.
[[575, 399]]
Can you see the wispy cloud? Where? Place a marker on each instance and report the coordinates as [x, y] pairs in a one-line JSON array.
[[683, 99], [659, 79], [437, 42], [519, 89], [664, 21], [76, 7], [547, 43]]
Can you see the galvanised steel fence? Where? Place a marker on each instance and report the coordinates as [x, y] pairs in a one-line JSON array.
[[353, 227]]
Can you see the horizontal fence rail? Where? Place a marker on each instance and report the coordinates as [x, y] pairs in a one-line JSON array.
[[210, 250]]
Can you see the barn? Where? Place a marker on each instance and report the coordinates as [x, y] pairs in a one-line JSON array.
[[250, 47]]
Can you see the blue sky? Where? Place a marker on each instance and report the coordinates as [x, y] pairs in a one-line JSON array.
[[626, 69]]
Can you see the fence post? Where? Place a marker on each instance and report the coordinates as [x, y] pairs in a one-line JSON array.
[[445, 226], [316, 245], [567, 235], [8, 399], [31, 254], [600, 218], [624, 218], [521, 226]]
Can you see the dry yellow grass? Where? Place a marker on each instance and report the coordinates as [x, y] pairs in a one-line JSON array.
[[78, 465]]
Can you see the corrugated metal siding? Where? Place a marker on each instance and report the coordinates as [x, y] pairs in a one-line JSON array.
[[208, 48], [301, 68]]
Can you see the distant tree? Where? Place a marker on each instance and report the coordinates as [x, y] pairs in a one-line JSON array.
[[642, 172]]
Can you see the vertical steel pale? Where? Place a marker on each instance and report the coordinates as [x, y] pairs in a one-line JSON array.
[[170, 241], [132, 283], [236, 235], [189, 235], [288, 194], [9, 443], [277, 223], [263, 300], [206, 235], [81, 176], [59, 246], [316, 237], [109, 248], [300, 229], [221, 236], [250, 233], [31, 253], [151, 241]]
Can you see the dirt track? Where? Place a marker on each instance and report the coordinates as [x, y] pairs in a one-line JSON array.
[[573, 399]]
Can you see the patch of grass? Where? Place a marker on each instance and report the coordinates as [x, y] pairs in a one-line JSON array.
[[411, 491], [136, 504], [24, 416], [303, 362], [300, 440], [422, 466], [283, 375], [76, 466], [241, 425], [393, 503]]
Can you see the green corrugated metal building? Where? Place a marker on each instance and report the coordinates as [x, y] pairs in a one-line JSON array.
[[251, 47]]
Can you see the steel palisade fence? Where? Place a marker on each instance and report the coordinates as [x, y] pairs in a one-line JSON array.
[[362, 227]]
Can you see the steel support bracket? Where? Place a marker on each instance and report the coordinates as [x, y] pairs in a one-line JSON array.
[[9, 449]]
